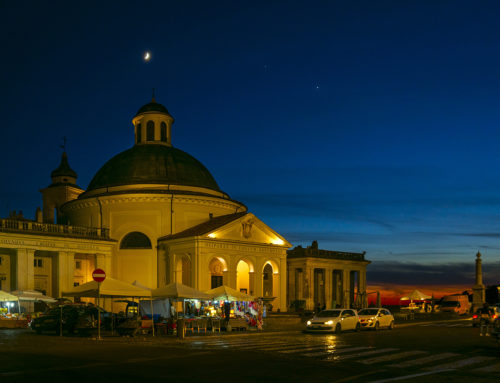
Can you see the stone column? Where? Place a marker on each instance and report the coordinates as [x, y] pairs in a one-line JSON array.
[[282, 280], [24, 269], [309, 287], [346, 285], [258, 279], [251, 282], [328, 288], [478, 291], [65, 272], [230, 278]]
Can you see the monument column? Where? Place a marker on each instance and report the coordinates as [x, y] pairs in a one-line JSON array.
[[478, 297]]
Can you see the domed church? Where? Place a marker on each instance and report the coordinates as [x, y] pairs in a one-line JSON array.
[[152, 214]]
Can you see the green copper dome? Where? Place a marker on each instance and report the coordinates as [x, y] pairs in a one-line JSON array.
[[153, 164]]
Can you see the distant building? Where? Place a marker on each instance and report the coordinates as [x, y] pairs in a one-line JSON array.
[[328, 278], [152, 214]]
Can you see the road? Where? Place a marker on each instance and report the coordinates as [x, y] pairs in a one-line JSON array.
[[432, 352]]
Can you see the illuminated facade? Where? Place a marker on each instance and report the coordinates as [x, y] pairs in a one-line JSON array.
[[152, 214], [326, 278]]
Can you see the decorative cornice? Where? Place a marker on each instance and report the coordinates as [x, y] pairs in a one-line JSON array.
[[147, 198]]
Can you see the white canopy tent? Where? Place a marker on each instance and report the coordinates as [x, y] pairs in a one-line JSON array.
[[6, 297], [179, 291], [226, 293], [415, 295], [29, 297], [109, 288]]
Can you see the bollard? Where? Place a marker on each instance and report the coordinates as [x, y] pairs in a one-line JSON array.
[[180, 328]]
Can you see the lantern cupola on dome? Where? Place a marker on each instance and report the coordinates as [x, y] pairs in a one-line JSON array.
[[153, 124]]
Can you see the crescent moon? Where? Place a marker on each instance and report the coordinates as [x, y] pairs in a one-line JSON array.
[[147, 56]]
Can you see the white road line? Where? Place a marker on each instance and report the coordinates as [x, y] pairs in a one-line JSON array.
[[461, 363], [427, 359], [387, 358], [282, 347], [335, 351], [363, 354], [490, 368], [408, 376], [301, 349]]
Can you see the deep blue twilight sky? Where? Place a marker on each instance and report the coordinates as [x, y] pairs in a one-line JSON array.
[[366, 125]]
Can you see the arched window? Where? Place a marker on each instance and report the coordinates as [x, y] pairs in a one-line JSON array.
[[135, 240], [139, 133], [150, 131], [163, 131]]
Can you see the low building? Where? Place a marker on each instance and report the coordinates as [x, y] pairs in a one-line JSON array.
[[326, 278]]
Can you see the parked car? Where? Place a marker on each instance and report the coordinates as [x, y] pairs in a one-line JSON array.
[[337, 320], [375, 318], [81, 319]]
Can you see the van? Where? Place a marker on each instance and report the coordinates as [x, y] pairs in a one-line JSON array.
[[456, 303]]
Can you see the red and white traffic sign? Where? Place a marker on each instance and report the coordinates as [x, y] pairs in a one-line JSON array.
[[99, 275]]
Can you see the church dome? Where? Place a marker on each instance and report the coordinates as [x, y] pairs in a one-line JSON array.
[[153, 164], [153, 106]]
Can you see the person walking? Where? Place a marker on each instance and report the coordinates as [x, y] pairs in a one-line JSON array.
[[485, 314]]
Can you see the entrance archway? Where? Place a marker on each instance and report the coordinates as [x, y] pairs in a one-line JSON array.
[[243, 270]]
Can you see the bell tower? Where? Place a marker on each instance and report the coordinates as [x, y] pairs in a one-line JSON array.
[[62, 189]]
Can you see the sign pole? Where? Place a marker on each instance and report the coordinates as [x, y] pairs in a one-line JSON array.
[[98, 311], [99, 276]]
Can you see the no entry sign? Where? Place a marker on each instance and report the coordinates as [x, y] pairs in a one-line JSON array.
[[99, 275]]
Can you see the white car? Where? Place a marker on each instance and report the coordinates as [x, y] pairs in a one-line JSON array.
[[337, 320], [375, 318]]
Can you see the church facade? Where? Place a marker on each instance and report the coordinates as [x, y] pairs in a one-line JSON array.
[[152, 214]]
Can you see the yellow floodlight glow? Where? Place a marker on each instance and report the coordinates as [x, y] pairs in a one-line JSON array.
[[277, 241], [211, 235]]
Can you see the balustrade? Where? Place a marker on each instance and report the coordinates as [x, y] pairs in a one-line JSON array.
[[65, 230]]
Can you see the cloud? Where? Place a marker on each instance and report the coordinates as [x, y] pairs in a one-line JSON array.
[[439, 274]]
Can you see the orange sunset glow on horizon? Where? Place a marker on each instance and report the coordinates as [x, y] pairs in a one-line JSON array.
[[390, 294]]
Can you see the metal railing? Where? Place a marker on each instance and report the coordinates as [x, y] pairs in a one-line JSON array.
[[13, 225]]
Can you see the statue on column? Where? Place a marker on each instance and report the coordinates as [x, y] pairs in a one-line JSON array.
[[478, 297]]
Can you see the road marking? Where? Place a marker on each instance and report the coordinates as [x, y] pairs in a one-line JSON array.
[[461, 363], [335, 351], [427, 359], [408, 376], [301, 349], [363, 354], [387, 358], [491, 368], [357, 376]]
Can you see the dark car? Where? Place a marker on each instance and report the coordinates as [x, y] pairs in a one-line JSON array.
[[70, 319]]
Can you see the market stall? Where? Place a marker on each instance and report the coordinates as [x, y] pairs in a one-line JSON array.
[[7, 318], [239, 310], [111, 288]]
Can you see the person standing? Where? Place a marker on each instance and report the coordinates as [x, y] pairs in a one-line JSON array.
[[485, 314]]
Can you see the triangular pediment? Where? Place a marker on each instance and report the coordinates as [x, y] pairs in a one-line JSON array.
[[248, 228]]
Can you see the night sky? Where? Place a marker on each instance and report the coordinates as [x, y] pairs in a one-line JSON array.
[[365, 125]]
